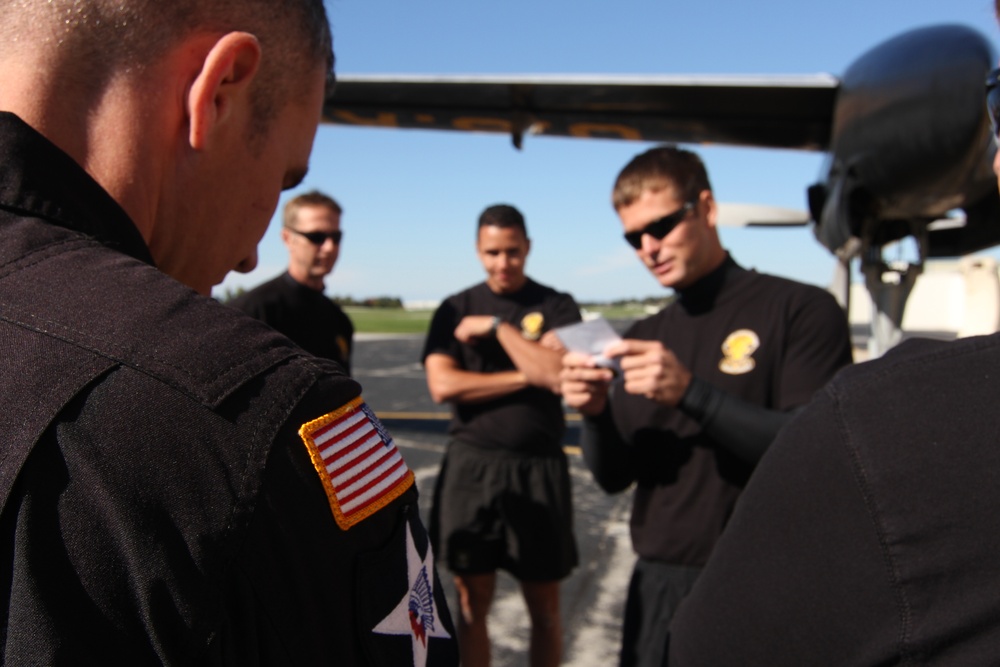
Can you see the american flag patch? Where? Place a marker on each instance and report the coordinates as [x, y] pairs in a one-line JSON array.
[[357, 461]]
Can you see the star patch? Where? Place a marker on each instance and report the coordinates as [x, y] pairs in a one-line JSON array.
[[416, 615], [357, 461]]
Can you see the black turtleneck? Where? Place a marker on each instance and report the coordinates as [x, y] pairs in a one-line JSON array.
[[700, 297], [758, 347]]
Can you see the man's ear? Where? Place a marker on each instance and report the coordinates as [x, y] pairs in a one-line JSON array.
[[706, 202], [228, 69]]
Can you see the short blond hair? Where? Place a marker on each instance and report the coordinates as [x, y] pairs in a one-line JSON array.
[[311, 198]]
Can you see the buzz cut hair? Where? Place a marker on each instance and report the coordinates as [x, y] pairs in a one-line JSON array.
[[106, 38], [658, 169], [312, 198], [503, 215]]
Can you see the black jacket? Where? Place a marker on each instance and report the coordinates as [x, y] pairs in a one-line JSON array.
[[159, 504]]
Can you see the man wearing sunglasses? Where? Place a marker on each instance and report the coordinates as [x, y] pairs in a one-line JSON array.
[[705, 386], [293, 303]]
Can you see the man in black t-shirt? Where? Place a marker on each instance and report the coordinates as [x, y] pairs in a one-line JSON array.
[[706, 384], [293, 303], [503, 495]]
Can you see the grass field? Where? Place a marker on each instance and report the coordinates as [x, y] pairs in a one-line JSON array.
[[397, 320], [389, 320]]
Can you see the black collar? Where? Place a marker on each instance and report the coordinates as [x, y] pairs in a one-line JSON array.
[[701, 296], [38, 179]]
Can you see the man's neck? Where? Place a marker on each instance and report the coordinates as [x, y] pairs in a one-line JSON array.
[[306, 280]]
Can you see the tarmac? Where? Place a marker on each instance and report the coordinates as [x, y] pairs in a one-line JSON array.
[[592, 597]]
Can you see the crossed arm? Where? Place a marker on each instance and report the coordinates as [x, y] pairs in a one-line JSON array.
[[537, 364]]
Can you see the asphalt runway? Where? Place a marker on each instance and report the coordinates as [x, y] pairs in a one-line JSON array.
[[592, 598]]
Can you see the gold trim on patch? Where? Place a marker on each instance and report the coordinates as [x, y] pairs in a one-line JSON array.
[[399, 481]]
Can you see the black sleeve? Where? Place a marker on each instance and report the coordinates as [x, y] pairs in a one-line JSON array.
[[799, 574], [819, 344], [305, 591], [607, 455], [441, 333], [566, 311], [745, 429]]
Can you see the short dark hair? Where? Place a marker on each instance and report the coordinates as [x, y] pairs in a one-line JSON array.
[[660, 168], [502, 215], [107, 37], [311, 198]]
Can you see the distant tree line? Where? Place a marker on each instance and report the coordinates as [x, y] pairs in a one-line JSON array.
[[369, 302], [659, 301], [231, 293], [396, 302]]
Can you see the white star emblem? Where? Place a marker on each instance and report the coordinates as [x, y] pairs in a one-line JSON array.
[[416, 614]]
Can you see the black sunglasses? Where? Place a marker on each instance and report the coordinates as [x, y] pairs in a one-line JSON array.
[[659, 228], [993, 99], [319, 238]]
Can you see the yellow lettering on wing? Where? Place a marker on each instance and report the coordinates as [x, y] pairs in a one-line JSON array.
[[603, 130], [471, 124], [383, 119]]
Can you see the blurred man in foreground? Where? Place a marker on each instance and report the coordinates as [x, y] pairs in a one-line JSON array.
[[294, 303], [174, 481], [705, 385]]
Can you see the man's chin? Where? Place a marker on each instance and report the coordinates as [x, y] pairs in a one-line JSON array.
[[320, 271]]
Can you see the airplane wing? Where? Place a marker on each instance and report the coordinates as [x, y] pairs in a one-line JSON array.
[[765, 111], [758, 215]]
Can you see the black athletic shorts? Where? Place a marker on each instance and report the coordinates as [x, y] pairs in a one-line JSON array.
[[655, 591], [495, 509]]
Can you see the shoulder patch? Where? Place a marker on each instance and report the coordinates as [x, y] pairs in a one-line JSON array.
[[357, 461]]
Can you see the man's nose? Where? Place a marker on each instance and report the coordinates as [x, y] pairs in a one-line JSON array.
[[650, 244]]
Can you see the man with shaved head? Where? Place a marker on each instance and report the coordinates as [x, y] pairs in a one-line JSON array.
[[180, 484]]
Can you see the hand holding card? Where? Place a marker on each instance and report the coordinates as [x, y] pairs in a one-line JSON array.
[[591, 337]]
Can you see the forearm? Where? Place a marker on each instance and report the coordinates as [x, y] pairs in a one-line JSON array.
[[605, 453], [744, 429], [540, 365], [459, 386]]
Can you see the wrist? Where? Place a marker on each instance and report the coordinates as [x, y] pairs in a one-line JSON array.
[[494, 325]]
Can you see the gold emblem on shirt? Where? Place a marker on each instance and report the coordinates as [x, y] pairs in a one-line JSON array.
[[737, 351], [531, 325]]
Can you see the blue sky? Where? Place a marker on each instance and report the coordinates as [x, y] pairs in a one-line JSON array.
[[411, 198]]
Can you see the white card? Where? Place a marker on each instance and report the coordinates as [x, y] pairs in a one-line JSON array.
[[590, 337]]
